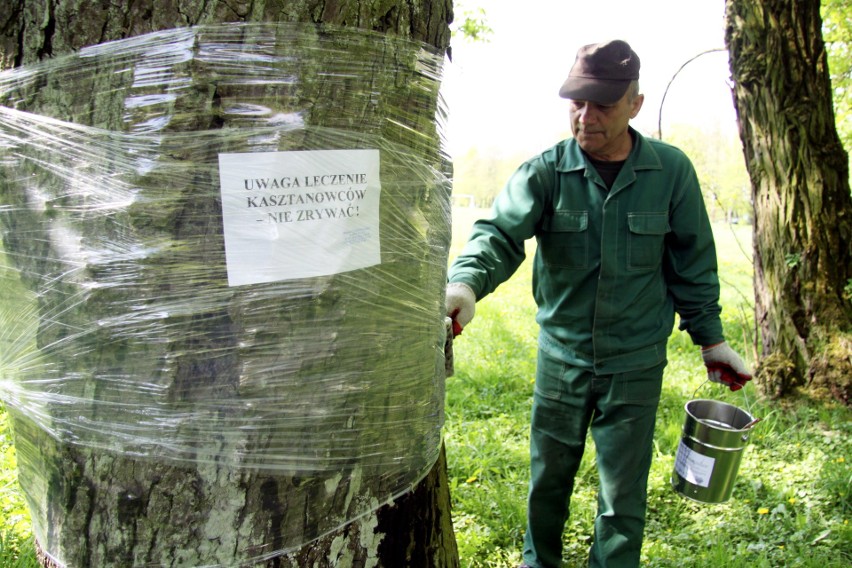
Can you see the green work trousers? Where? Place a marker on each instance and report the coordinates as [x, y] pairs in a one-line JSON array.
[[621, 411]]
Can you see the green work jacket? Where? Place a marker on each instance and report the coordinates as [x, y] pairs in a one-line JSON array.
[[611, 268]]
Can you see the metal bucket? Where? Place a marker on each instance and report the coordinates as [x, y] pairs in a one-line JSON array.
[[710, 450]]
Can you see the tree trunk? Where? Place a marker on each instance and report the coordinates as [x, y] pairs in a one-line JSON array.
[[184, 422], [800, 189]]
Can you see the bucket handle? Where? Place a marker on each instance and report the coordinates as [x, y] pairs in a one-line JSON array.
[[747, 405], [742, 390]]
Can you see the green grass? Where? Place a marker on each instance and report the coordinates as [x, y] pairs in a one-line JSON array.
[[790, 505], [17, 549]]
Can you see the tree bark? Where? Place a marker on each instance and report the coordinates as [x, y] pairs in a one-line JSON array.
[[108, 508], [800, 189], [36, 29]]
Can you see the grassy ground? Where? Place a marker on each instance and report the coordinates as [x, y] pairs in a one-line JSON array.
[[16, 543], [790, 505]]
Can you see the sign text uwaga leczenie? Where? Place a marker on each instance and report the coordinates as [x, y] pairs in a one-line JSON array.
[[339, 202]]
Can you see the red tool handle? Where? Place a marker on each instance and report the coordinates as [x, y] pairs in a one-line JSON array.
[[457, 327]]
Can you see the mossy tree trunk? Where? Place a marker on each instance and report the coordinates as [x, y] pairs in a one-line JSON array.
[[800, 188], [117, 510], [35, 29]]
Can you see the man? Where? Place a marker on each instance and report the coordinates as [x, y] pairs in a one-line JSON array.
[[624, 243]]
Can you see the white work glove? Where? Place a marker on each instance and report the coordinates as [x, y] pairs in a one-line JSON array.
[[461, 305], [725, 367]]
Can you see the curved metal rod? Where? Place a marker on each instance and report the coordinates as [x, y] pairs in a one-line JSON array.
[[666, 92]]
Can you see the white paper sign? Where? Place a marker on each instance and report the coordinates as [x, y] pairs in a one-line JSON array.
[[693, 467], [300, 214]]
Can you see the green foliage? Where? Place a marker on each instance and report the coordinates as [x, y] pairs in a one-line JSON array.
[[17, 549], [482, 174], [791, 503], [793, 259], [837, 34], [471, 23], [16, 552], [719, 163]]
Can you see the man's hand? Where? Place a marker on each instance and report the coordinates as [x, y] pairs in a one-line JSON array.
[[461, 305], [724, 366]]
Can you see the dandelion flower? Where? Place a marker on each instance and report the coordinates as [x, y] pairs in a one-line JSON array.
[[791, 500], [763, 511]]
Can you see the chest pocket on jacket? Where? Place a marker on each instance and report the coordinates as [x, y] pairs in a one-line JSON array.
[[564, 239], [646, 239]]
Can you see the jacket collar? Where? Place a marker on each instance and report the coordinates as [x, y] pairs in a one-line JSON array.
[[642, 156]]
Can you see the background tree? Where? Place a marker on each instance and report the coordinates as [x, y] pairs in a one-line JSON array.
[[718, 161], [837, 33], [108, 502], [800, 189], [471, 23], [483, 174]]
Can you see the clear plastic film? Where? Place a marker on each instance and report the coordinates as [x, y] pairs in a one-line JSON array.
[[223, 258]]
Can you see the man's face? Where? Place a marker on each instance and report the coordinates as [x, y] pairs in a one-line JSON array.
[[601, 130]]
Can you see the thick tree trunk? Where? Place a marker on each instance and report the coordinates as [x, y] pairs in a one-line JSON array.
[[225, 502], [800, 181], [35, 29]]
